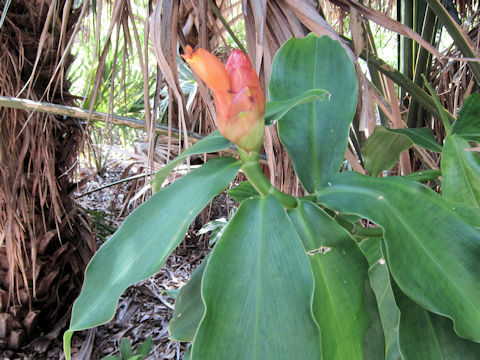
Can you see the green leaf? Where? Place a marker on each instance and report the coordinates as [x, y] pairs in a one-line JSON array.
[[421, 136], [382, 150], [143, 242], [424, 175], [374, 339], [173, 293], [145, 348], [441, 110], [467, 124], [136, 357], [258, 290], [215, 228], [432, 253], [189, 308], [424, 335], [460, 172], [211, 143], [242, 191], [380, 283], [340, 271], [315, 134], [275, 110], [126, 348], [468, 213]]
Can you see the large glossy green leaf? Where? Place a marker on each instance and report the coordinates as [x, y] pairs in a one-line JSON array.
[[189, 308], [460, 172], [275, 110], [467, 124], [424, 335], [315, 134], [258, 289], [421, 136], [382, 150], [383, 147], [432, 253], [380, 283], [340, 272], [211, 143], [143, 242]]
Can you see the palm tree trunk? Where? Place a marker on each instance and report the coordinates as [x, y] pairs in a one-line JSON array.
[[44, 241]]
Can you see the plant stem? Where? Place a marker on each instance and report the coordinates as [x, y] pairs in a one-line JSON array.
[[415, 118], [253, 172]]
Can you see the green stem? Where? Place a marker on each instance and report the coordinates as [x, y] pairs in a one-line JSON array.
[[253, 172], [414, 118]]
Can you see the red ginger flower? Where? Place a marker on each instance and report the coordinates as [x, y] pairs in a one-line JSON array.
[[238, 95]]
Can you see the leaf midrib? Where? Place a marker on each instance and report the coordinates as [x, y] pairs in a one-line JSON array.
[[313, 134], [317, 260], [260, 277]]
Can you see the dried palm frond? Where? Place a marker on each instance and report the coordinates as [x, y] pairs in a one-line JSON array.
[[455, 81]]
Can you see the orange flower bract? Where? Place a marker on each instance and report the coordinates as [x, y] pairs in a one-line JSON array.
[[238, 95]]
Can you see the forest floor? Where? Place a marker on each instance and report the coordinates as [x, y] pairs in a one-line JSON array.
[[144, 310]]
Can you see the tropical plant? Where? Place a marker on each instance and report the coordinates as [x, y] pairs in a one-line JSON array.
[[304, 277], [268, 24]]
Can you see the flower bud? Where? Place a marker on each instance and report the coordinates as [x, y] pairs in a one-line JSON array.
[[238, 95]]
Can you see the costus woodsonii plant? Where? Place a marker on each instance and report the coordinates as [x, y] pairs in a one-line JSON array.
[[305, 278]]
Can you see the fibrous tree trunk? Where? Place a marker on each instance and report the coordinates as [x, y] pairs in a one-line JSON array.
[[45, 242]]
